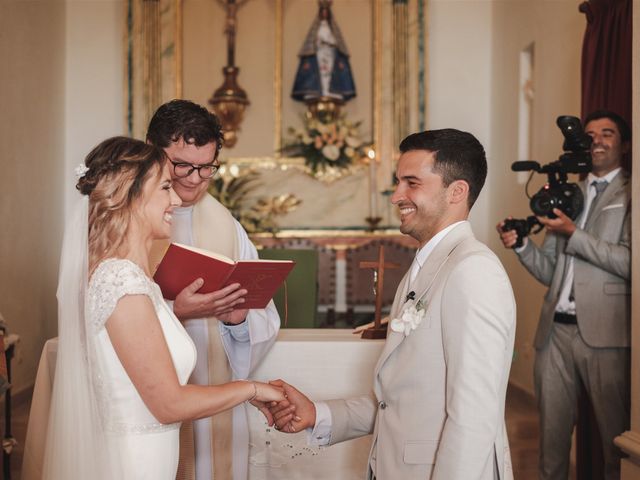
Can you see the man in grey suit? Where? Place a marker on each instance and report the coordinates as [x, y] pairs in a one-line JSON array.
[[437, 406], [583, 335]]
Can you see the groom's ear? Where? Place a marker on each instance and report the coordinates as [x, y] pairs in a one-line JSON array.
[[458, 191]]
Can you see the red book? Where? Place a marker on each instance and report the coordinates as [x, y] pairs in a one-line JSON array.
[[182, 264]]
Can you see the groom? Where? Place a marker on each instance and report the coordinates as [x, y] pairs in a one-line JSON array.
[[437, 406]]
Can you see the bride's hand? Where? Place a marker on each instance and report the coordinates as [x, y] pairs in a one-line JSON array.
[[266, 394]]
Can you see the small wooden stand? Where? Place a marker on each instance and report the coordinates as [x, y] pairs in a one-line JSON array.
[[378, 331]]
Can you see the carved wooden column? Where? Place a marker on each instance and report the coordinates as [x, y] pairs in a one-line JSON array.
[[400, 70], [151, 56]]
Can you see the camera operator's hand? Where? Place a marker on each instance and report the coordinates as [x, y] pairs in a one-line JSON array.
[[509, 238], [562, 225]]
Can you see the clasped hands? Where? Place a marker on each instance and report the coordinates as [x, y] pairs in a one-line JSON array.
[[293, 414]]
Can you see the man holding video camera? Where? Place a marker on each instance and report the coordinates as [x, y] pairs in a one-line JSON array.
[[583, 335]]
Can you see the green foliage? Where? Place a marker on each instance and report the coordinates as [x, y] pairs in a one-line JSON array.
[[234, 193]]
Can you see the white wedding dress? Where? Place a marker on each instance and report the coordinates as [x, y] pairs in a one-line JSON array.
[[146, 449]]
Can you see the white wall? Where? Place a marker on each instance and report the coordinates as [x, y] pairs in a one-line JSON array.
[[460, 79], [474, 54], [94, 80], [556, 29], [32, 53], [62, 83]]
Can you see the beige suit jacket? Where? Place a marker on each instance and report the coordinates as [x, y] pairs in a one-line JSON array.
[[437, 407], [602, 270]]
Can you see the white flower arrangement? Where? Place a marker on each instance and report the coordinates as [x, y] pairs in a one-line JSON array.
[[326, 143], [412, 315]]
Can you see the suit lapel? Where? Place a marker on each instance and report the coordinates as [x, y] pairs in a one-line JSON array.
[[422, 284], [394, 338]]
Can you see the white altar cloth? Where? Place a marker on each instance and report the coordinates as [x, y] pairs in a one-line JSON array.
[[324, 364]]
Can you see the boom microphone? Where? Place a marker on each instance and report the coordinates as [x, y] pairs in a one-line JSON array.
[[525, 166]]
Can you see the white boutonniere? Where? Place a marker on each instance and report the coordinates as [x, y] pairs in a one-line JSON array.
[[412, 315]]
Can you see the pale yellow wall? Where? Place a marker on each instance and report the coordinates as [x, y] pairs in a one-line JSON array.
[[32, 83], [556, 28]]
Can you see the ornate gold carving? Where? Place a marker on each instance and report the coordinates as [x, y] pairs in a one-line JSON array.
[[325, 109], [329, 175]]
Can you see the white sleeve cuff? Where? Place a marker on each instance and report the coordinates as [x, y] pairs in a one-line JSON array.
[[239, 332], [321, 432], [524, 245]]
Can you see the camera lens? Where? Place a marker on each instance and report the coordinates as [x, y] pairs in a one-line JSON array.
[[566, 197], [543, 203]]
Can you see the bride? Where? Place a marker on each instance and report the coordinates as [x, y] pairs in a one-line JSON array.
[[124, 359]]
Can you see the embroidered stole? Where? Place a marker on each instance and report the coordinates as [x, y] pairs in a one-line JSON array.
[[214, 230]]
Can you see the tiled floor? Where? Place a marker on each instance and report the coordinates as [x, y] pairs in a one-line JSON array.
[[522, 427]]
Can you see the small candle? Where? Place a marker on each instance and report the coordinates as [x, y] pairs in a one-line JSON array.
[[373, 184]]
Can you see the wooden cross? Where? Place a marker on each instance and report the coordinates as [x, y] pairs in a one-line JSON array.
[[378, 331]]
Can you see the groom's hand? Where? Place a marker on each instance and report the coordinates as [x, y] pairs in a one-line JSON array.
[[295, 413]]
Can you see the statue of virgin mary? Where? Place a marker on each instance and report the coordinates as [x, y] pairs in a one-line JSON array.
[[324, 70]]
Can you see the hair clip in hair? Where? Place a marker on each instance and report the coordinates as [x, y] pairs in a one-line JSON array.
[[81, 170]]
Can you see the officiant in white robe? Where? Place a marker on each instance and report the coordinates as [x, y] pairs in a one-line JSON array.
[[229, 346]]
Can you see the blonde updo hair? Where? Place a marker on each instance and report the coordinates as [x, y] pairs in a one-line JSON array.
[[117, 170]]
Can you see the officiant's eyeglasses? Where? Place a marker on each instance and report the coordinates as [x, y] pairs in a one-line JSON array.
[[183, 170]]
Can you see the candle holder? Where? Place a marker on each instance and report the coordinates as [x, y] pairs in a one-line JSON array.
[[372, 223]]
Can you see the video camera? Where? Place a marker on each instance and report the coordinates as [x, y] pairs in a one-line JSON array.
[[557, 192]]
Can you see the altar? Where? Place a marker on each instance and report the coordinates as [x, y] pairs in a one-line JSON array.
[[324, 364]]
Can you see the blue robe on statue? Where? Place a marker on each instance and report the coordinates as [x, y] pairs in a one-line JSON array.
[[307, 83]]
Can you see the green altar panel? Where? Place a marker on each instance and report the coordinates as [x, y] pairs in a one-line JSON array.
[[301, 284]]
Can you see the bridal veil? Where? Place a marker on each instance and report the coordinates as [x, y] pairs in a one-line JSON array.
[[76, 446]]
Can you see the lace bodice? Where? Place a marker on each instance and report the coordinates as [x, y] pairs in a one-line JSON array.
[[113, 279], [121, 405]]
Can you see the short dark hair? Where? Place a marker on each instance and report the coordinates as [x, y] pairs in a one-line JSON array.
[[182, 119], [457, 156], [621, 123]]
